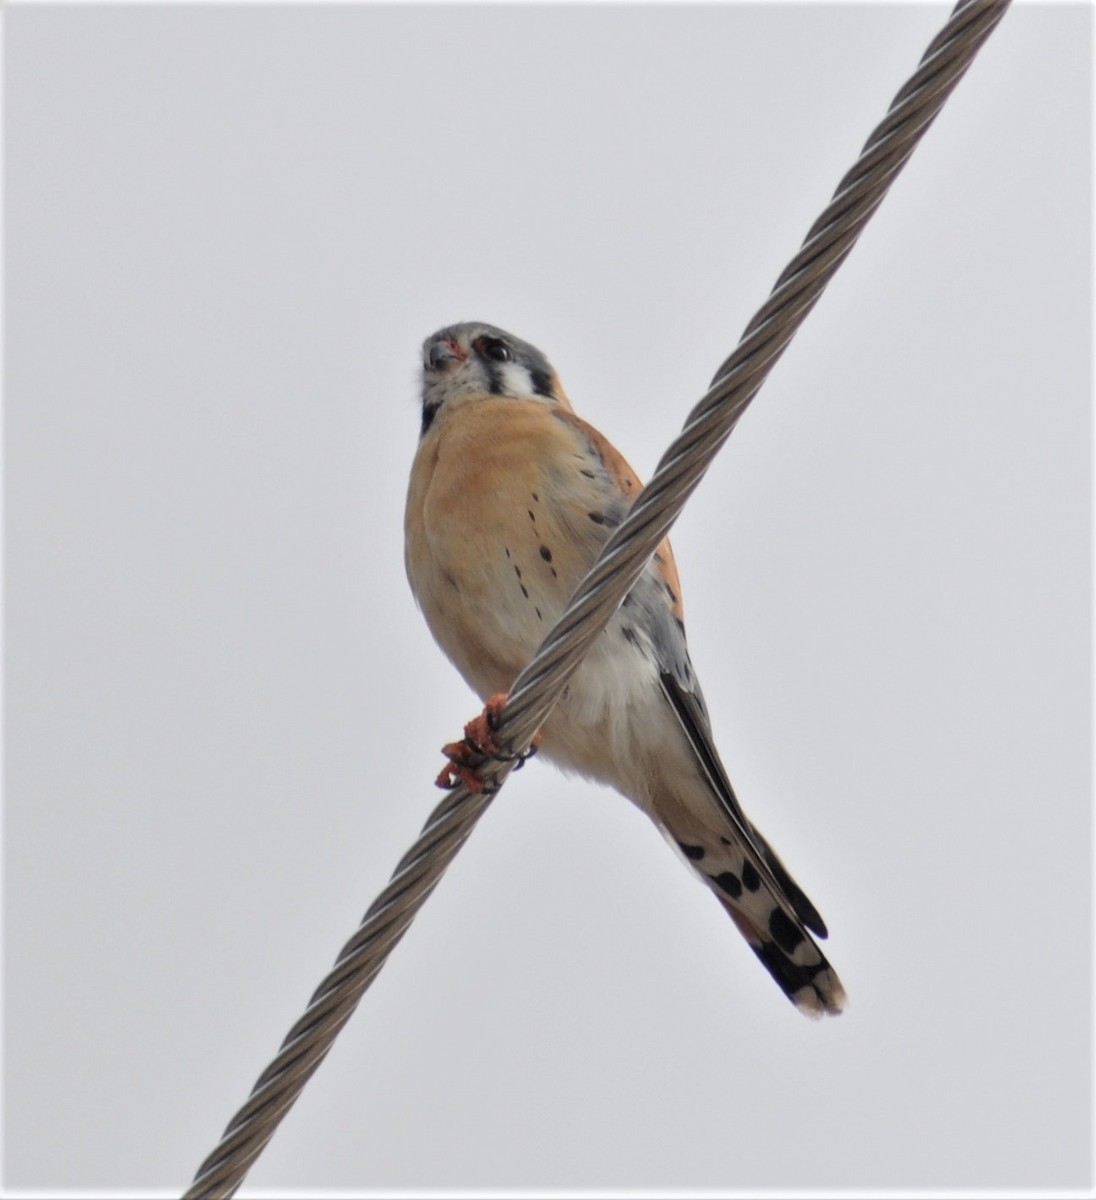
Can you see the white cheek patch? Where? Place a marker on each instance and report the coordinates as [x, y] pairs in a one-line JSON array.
[[516, 381], [473, 378]]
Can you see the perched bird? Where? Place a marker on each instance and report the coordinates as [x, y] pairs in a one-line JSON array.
[[511, 497]]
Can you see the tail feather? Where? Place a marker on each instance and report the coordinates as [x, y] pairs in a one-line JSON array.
[[776, 926], [795, 962], [804, 909], [722, 846]]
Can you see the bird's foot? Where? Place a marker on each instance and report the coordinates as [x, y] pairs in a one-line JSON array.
[[478, 747]]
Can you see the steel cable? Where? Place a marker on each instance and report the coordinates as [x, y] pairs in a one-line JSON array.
[[597, 597]]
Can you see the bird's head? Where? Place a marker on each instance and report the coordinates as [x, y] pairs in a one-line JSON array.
[[474, 359]]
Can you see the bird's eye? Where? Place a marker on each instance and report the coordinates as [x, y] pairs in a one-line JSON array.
[[494, 349]]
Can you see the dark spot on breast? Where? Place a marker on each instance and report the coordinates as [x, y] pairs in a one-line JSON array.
[[730, 883], [784, 932], [517, 570], [554, 574], [546, 554], [629, 634], [671, 593], [450, 579], [537, 611], [536, 498], [692, 853], [532, 515], [680, 624], [507, 549], [750, 877], [597, 518], [725, 841], [588, 474], [525, 591]]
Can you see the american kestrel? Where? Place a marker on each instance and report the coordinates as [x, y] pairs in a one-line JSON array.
[[511, 497]]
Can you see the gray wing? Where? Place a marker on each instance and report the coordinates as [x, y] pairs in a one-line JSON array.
[[612, 487], [681, 688]]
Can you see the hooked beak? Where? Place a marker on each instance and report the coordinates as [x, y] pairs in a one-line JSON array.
[[443, 354]]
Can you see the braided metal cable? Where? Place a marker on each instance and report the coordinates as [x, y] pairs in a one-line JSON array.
[[538, 687]]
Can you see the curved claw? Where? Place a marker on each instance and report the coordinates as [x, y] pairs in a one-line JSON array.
[[479, 733], [468, 756], [453, 774]]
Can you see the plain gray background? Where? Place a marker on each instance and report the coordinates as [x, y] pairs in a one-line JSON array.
[[227, 232]]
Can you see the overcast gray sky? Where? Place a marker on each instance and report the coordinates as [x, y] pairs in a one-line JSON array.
[[227, 232]]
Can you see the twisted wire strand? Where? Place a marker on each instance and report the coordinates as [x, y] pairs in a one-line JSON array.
[[598, 596]]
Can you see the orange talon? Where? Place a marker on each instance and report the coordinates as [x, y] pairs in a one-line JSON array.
[[465, 761], [468, 756], [456, 773], [480, 731]]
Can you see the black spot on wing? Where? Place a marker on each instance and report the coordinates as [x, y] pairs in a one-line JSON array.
[[692, 853], [750, 878], [670, 649], [633, 638], [688, 705]]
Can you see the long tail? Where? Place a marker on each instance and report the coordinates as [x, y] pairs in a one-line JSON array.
[[734, 860], [776, 924]]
